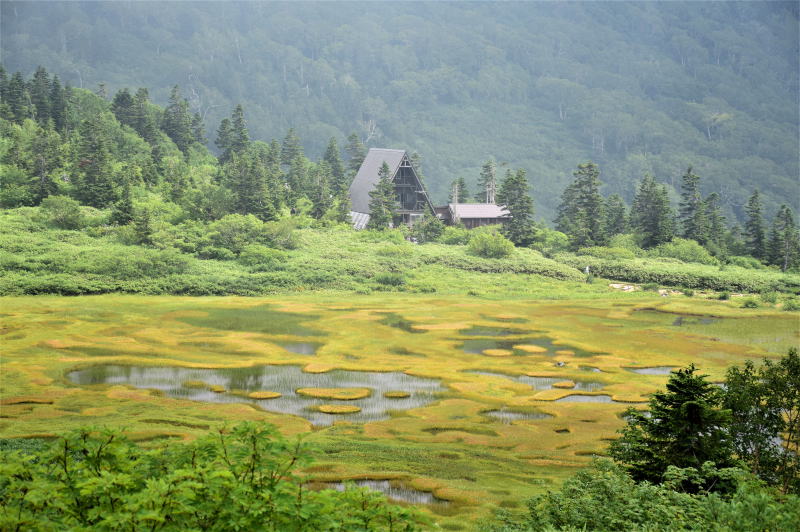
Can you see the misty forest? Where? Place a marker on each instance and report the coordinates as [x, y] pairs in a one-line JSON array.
[[496, 266]]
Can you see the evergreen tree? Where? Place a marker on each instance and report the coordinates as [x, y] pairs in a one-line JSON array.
[[40, 96], [95, 185], [651, 214], [297, 181], [246, 177], [685, 427], [716, 225], [4, 109], [16, 98], [240, 137], [416, 163], [616, 216], [339, 182], [144, 122], [692, 211], [291, 148], [177, 122], [488, 178], [581, 213], [58, 104], [458, 191], [356, 152], [224, 140], [382, 201], [784, 241], [46, 150], [122, 213], [198, 129], [123, 108], [514, 196], [321, 190], [755, 232], [343, 208]]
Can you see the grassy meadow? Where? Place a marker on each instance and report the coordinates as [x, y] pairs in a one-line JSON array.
[[511, 396]]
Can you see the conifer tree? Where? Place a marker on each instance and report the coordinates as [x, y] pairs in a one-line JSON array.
[[240, 137], [382, 201], [40, 96], [122, 213], [651, 214], [692, 213], [784, 241], [339, 181], [46, 149], [290, 148], [616, 216], [95, 185], [488, 178], [356, 152], [755, 232], [247, 179], [581, 213], [123, 108], [198, 129], [5, 111], [58, 104], [177, 122], [343, 208], [224, 140], [515, 197], [716, 224], [144, 123], [16, 98], [459, 187], [297, 181], [320, 189]]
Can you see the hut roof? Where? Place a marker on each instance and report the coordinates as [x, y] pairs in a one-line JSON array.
[[367, 176], [477, 210]]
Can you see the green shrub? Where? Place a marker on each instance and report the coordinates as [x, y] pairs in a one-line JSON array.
[[490, 245], [769, 297], [749, 303], [235, 231], [282, 234], [626, 241], [390, 279], [589, 278], [389, 235], [261, 258], [212, 252], [429, 229], [454, 235], [602, 252], [650, 287], [724, 296], [791, 304], [684, 250], [62, 212], [549, 241], [688, 292], [749, 263]]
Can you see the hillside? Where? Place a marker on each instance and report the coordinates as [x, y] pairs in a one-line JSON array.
[[635, 87]]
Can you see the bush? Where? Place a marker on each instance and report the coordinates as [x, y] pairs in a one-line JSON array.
[[650, 287], [490, 245], [749, 263], [724, 296], [769, 297], [390, 279], [791, 304], [684, 250], [429, 229], [454, 235], [688, 292], [549, 241], [749, 303], [602, 252], [62, 212], [282, 234], [246, 476], [261, 258], [235, 231]]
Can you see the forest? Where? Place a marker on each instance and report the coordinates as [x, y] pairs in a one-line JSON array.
[[636, 88]]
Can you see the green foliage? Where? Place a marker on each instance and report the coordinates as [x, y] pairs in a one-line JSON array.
[[62, 212], [749, 303], [684, 426], [382, 201], [455, 235], [549, 241], [724, 296], [491, 245], [242, 478], [651, 214], [770, 297], [791, 304], [581, 214], [684, 250], [262, 258], [390, 279], [746, 262], [429, 229], [514, 196], [602, 252]]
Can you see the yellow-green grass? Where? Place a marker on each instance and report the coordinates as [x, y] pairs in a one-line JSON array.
[[343, 394], [339, 409], [263, 395], [451, 446]]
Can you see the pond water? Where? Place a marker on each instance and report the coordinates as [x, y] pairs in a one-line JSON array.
[[508, 416], [477, 346], [282, 379], [655, 370], [543, 383], [578, 398], [483, 330], [397, 321], [392, 490], [260, 319]]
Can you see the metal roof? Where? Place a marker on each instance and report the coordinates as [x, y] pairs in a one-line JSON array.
[[359, 219], [367, 176], [477, 210]]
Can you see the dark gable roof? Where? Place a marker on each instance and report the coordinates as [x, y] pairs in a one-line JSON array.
[[367, 176]]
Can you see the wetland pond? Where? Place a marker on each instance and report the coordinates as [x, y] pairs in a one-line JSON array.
[[543, 383], [233, 385], [393, 491]]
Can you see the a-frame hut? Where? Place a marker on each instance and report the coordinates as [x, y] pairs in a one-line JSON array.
[[412, 198]]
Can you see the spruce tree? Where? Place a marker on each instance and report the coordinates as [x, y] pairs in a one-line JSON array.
[[198, 129], [40, 96], [581, 213], [16, 99], [356, 152], [4, 109], [122, 213], [343, 208], [651, 214], [459, 187], [46, 148], [240, 137], [487, 179], [784, 242], [692, 213], [297, 181], [716, 241], [177, 122], [616, 216], [290, 148], [754, 229], [58, 105], [515, 197], [321, 197], [339, 182], [95, 185], [144, 123], [246, 177], [123, 108], [382, 201], [224, 140]]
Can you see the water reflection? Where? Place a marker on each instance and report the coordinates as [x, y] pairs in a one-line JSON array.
[[177, 382], [392, 490], [655, 370], [508, 416], [543, 383]]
